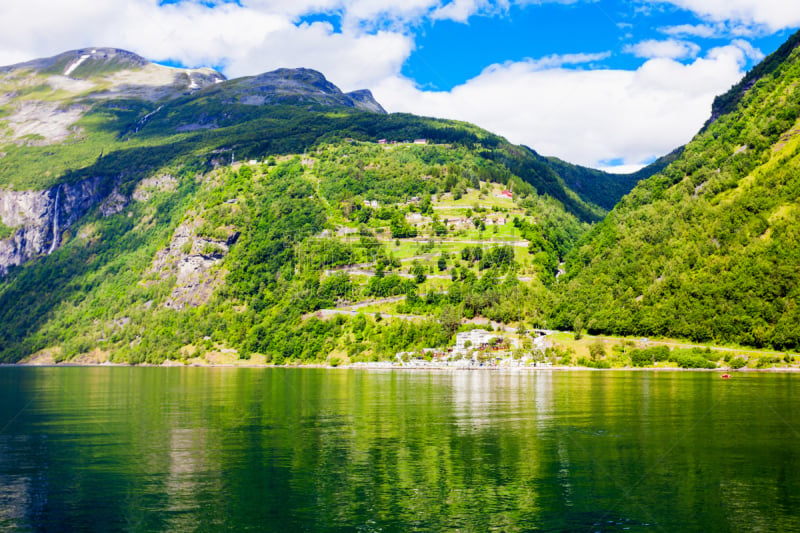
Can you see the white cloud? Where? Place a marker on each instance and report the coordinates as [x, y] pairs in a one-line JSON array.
[[583, 116], [705, 31], [459, 10], [671, 48], [560, 60], [351, 61], [749, 50], [378, 13], [774, 14]]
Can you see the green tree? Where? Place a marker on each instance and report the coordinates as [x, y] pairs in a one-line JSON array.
[[418, 271], [442, 262], [577, 328], [597, 350], [450, 319]]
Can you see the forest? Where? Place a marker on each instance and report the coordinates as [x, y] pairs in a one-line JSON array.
[[291, 234], [707, 249]]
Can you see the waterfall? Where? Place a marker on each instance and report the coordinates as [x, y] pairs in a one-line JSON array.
[[55, 223]]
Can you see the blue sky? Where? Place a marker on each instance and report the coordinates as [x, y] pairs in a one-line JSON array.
[[603, 83], [448, 52]]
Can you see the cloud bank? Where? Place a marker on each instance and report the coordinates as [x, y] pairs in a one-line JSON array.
[[773, 14], [590, 117]]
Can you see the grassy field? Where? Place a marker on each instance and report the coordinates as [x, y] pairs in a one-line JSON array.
[[427, 249], [616, 349]]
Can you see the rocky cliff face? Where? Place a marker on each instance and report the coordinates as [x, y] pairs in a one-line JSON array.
[[299, 85], [41, 217], [364, 100], [195, 263]]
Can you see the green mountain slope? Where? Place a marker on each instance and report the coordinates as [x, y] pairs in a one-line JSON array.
[[128, 233], [233, 259], [602, 188], [708, 249]]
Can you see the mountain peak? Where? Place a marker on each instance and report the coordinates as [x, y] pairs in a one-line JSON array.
[[364, 99], [83, 63], [299, 85]]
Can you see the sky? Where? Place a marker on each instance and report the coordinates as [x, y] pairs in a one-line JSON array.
[[607, 84]]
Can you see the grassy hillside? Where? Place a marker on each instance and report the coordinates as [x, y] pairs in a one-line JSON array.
[[708, 249], [272, 242]]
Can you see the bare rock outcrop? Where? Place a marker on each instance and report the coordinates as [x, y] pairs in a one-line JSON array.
[[194, 262], [40, 218]]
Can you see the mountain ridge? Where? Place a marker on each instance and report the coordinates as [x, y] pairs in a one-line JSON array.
[[706, 249]]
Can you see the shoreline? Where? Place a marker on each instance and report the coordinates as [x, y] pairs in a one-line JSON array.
[[788, 370]]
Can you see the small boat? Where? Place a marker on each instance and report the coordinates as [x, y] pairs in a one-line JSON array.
[[725, 376]]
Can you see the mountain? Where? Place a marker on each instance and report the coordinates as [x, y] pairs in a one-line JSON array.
[[296, 86], [708, 249], [131, 230]]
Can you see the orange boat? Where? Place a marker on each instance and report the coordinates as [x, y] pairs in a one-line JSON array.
[[726, 376]]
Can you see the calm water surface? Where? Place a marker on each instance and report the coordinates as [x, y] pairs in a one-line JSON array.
[[198, 449]]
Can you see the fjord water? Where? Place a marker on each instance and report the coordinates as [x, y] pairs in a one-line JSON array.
[[198, 449]]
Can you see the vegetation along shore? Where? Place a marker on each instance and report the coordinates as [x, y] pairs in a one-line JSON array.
[[275, 220]]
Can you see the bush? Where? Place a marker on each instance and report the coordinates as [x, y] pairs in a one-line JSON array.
[[694, 358], [649, 356], [739, 362], [765, 361], [640, 358], [583, 361]]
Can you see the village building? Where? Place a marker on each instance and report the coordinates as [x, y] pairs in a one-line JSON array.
[[505, 194]]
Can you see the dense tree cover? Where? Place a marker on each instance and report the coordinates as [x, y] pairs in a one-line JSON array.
[[280, 220], [550, 238], [602, 188], [709, 248], [706, 249]]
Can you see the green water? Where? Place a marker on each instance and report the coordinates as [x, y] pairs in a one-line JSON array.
[[196, 449]]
